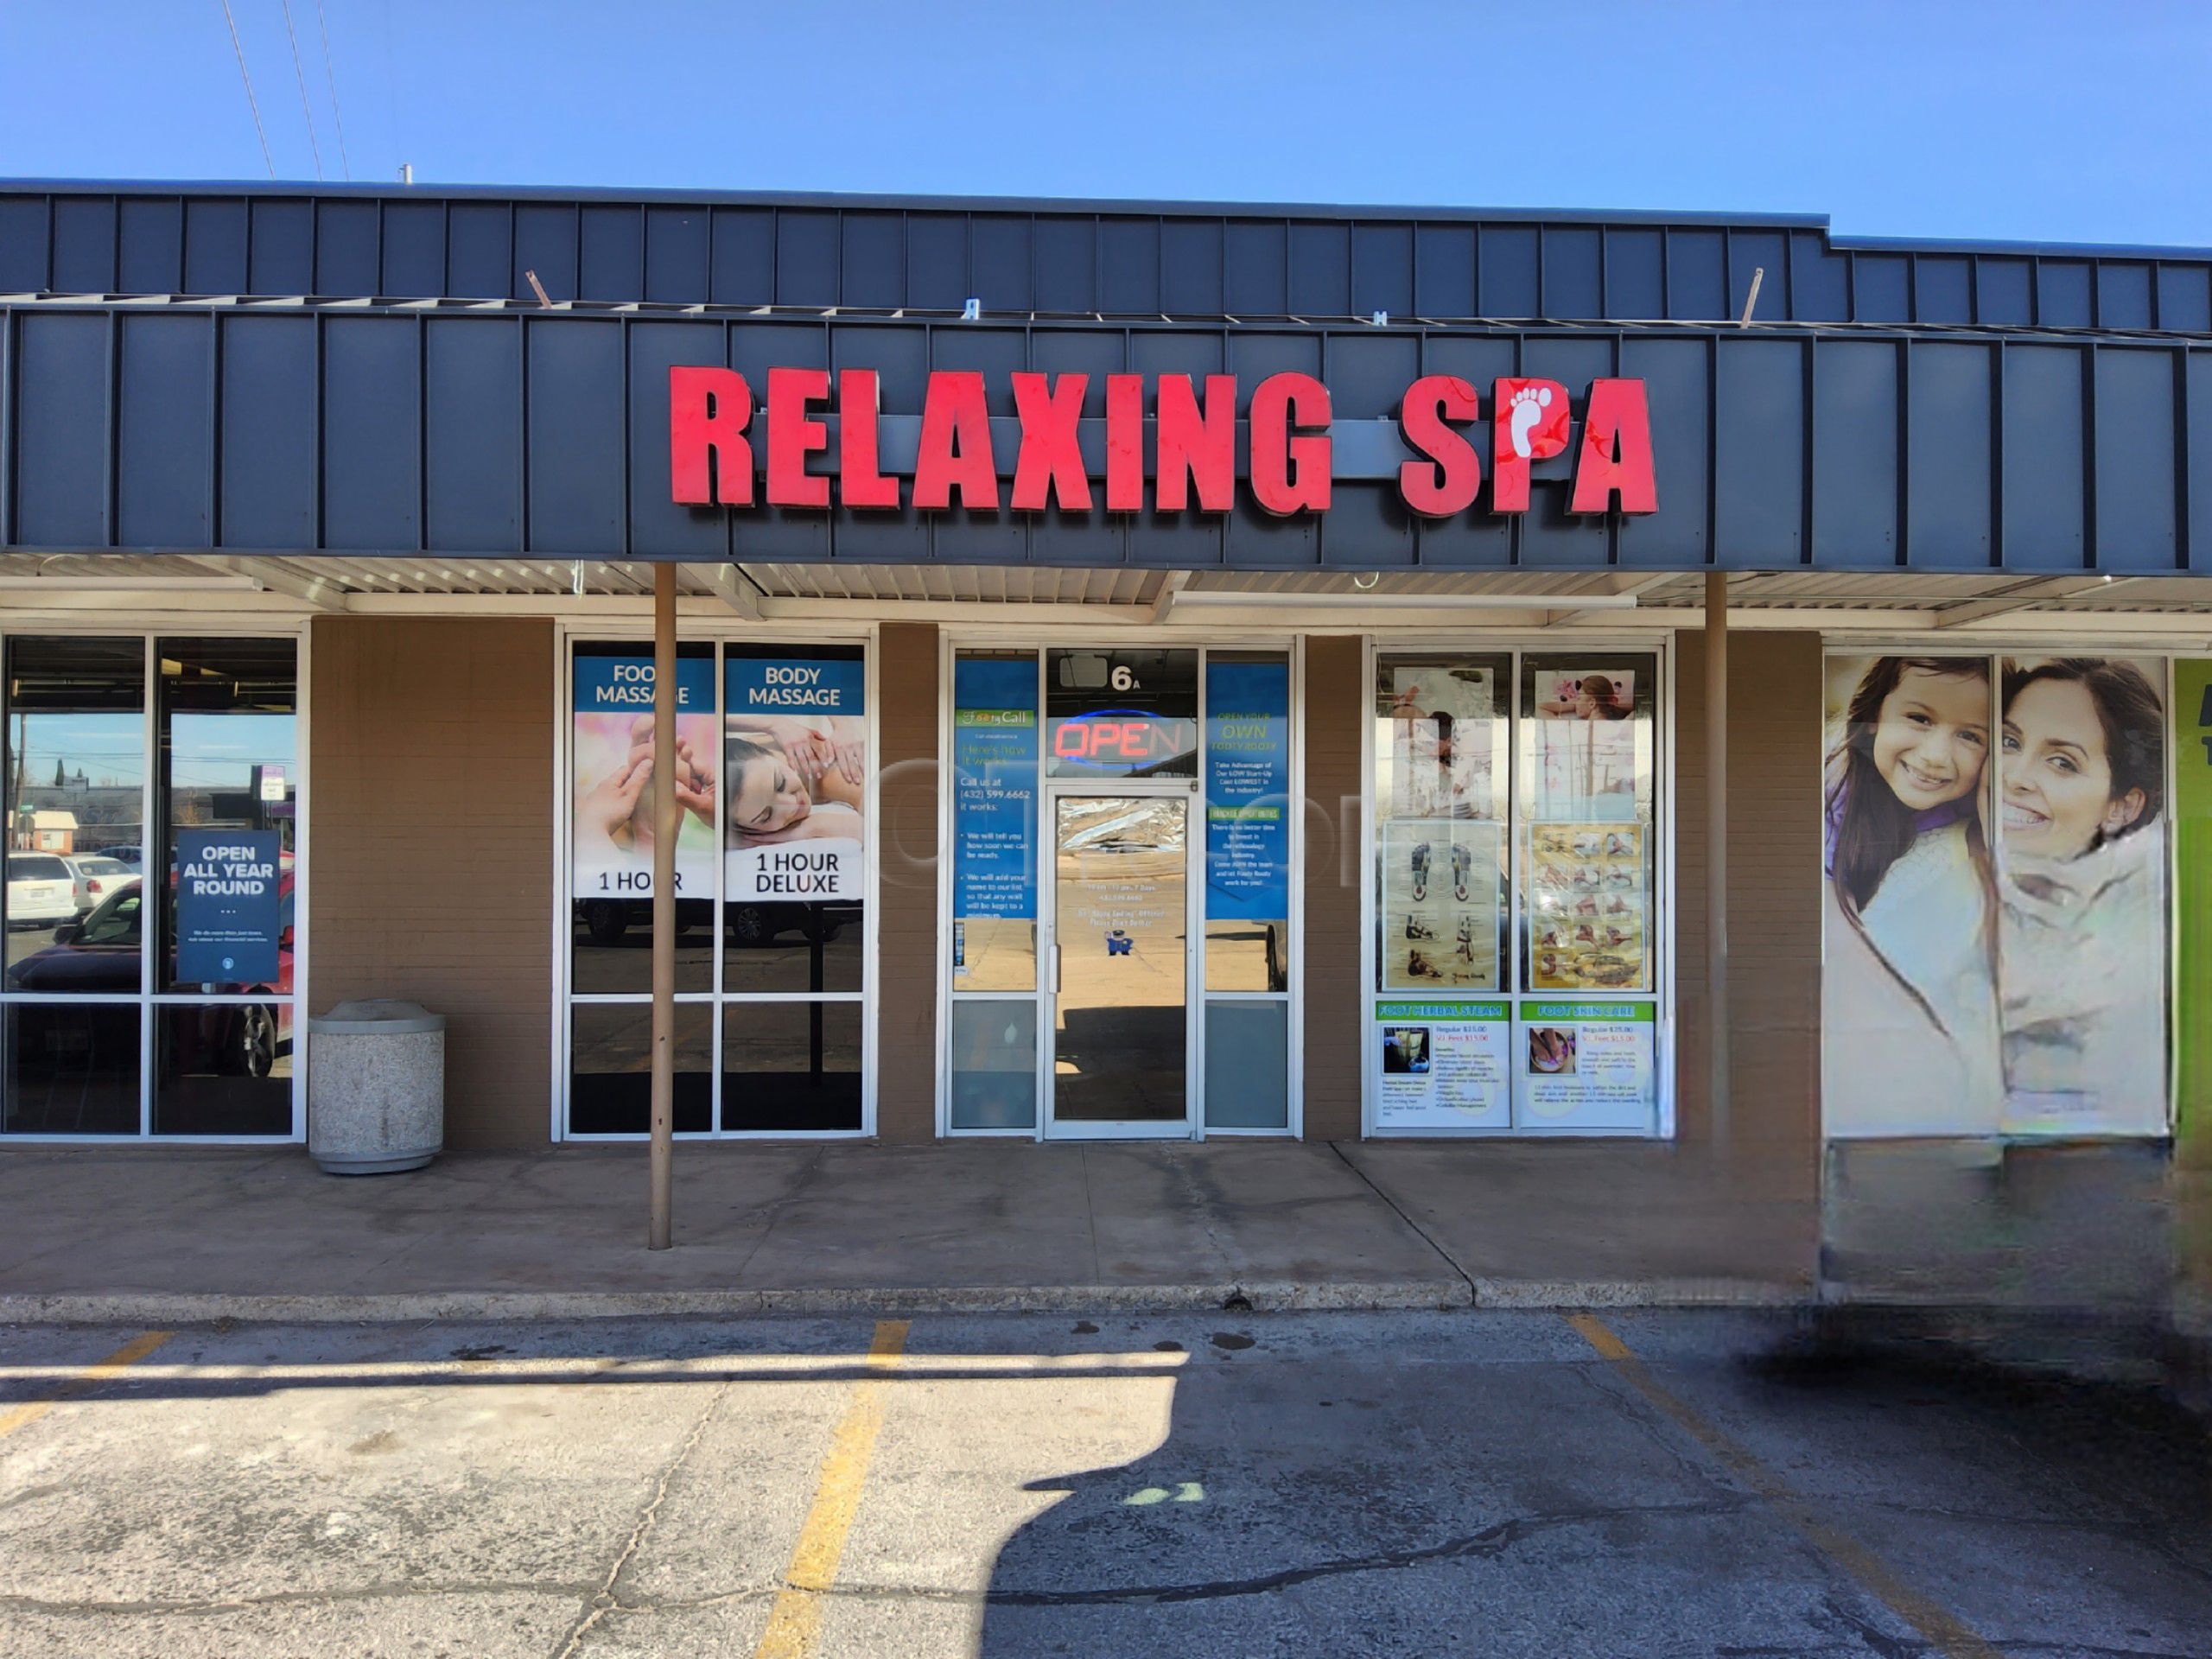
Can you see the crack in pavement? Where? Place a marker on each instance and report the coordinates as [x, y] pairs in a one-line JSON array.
[[398, 1590], [1491, 1542], [604, 1601]]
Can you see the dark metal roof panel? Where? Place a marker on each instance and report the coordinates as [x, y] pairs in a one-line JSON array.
[[1117, 258], [366, 428]]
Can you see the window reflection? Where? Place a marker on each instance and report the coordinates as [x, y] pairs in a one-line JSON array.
[[71, 1069], [229, 761], [76, 771], [223, 1068], [791, 1065], [611, 1068]]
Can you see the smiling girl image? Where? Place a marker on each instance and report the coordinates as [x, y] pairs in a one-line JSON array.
[[1909, 979], [2080, 789]]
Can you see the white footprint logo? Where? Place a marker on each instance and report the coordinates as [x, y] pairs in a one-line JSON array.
[[1528, 406]]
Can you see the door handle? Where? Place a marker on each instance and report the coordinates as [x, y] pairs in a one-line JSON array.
[[1056, 967]]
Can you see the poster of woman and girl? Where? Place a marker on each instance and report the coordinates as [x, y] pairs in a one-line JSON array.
[[1994, 896]]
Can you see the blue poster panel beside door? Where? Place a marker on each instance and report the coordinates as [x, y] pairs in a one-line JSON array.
[[994, 755], [1248, 824]]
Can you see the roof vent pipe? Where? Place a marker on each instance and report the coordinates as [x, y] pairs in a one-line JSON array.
[[407, 173]]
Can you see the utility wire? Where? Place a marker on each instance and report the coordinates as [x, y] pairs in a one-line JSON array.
[[306, 109], [250, 102], [330, 74]]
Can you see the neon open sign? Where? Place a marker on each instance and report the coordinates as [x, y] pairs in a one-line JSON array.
[[1121, 739]]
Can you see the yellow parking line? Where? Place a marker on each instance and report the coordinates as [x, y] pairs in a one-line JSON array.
[[129, 1354], [795, 1623], [1937, 1624]]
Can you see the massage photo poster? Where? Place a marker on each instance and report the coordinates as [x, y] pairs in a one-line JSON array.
[[795, 774], [612, 765], [1993, 893]]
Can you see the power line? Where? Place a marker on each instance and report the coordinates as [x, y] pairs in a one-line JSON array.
[[250, 102], [305, 108], [331, 75]]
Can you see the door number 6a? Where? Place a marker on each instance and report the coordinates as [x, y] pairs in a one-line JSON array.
[[1122, 679]]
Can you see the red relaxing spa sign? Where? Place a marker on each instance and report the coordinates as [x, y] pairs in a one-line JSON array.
[[1193, 455]]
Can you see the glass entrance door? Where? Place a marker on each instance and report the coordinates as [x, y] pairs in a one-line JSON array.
[[1121, 965]]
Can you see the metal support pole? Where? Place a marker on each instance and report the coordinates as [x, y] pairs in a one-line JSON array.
[[1716, 852], [665, 827]]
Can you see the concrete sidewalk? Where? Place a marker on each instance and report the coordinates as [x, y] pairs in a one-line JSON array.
[[192, 1233]]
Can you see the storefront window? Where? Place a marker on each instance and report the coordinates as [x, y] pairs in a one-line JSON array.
[[1516, 870], [1248, 818], [612, 846], [1120, 714], [773, 779], [997, 753], [1587, 765], [1173, 972], [195, 1037]]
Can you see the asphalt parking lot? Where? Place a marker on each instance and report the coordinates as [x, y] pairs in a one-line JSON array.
[[1492, 1483]]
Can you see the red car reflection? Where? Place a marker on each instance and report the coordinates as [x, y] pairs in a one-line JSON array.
[[102, 954]]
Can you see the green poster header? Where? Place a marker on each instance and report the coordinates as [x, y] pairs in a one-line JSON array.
[[1443, 1011], [1639, 1014]]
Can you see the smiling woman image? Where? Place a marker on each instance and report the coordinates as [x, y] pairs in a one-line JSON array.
[[1908, 976], [795, 779], [2080, 789]]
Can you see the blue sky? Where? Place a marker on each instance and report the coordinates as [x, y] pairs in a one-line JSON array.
[[2029, 119]]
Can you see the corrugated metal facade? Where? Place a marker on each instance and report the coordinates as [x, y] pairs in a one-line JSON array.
[[1118, 259], [1998, 431]]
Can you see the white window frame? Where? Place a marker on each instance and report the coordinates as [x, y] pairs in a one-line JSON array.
[[1516, 645], [147, 999], [722, 636], [951, 642]]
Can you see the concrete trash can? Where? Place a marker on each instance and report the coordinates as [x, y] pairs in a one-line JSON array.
[[376, 1087]]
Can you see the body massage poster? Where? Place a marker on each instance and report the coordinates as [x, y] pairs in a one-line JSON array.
[[1444, 1065], [612, 767], [795, 765], [994, 754], [1994, 850]]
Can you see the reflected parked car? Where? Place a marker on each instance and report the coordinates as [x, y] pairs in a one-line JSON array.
[[608, 920], [103, 953], [42, 890], [97, 875]]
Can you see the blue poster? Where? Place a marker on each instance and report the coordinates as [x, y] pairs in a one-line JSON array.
[[795, 685], [994, 755], [229, 906], [624, 684], [1248, 791]]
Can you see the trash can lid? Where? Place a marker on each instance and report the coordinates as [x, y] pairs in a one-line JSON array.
[[376, 1016]]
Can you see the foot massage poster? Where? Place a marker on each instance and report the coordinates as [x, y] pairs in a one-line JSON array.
[[612, 767], [1994, 853], [795, 774], [1440, 905], [1443, 1065], [1586, 1065]]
